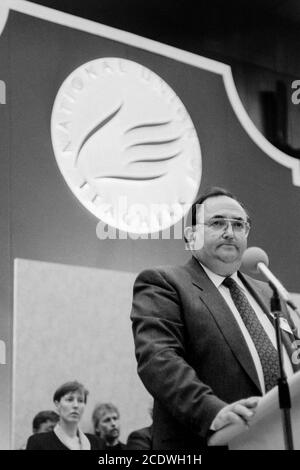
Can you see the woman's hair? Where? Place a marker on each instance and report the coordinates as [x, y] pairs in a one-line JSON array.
[[70, 387]]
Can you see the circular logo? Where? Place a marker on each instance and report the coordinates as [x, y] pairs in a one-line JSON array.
[[126, 145]]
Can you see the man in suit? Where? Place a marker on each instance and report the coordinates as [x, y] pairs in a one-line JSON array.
[[106, 421], [202, 358]]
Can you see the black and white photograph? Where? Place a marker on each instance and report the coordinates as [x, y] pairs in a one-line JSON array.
[[150, 230]]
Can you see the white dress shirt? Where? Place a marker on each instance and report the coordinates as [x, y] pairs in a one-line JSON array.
[[217, 280]]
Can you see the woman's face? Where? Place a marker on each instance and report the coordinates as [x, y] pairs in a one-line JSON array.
[[71, 407]]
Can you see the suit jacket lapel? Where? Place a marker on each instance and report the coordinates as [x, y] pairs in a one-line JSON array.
[[263, 301], [224, 319], [258, 294]]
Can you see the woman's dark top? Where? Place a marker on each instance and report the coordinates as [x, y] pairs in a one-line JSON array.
[[50, 441]]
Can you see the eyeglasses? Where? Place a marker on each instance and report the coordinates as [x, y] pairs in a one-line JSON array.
[[222, 224]]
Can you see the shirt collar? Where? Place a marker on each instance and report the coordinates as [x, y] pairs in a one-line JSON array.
[[217, 280]]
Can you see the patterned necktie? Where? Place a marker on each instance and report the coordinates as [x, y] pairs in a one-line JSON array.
[[265, 349]]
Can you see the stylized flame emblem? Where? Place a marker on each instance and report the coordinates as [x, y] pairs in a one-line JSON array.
[[119, 131]]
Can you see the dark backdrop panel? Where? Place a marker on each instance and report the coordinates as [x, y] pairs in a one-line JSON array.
[[48, 223], [5, 236]]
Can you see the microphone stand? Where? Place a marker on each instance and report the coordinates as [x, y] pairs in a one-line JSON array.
[[283, 386]]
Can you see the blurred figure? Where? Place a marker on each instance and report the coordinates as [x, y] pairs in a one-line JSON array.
[[106, 421], [44, 421], [141, 439], [70, 400]]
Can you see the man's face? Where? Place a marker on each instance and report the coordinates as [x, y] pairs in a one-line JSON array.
[[109, 426], [220, 250]]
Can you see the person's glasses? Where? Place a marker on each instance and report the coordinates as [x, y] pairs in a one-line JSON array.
[[222, 224]]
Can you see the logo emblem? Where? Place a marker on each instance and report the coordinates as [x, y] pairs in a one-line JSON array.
[[126, 145]]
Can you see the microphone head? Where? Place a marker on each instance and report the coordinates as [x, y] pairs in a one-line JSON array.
[[251, 257]]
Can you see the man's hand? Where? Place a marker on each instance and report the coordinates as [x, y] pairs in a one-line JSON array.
[[238, 412]]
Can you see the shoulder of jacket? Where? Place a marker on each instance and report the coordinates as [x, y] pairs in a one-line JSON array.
[[261, 284], [41, 436], [164, 270]]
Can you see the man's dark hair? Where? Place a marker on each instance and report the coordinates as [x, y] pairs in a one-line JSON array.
[[70, 387], [213, 192], [43, 417]]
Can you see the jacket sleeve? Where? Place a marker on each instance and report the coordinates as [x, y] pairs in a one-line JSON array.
[[160, 345]]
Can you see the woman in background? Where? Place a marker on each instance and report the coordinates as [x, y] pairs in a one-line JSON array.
[[70, 400]]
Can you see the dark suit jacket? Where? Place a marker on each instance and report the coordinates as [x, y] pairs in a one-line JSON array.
[[141, 439], [118, 447], [191, 354], [50, 441]]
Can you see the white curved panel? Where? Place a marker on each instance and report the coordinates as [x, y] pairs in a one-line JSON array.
[[4, 10], [255, 134]]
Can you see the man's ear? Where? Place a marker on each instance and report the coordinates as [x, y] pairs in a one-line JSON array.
[[189, 237]]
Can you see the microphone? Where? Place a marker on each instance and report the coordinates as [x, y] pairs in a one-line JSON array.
[[256, 260]]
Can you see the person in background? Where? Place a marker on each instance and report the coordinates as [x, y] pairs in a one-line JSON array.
[[44, 421], [141, 439], [70, 401], [106, 421]]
